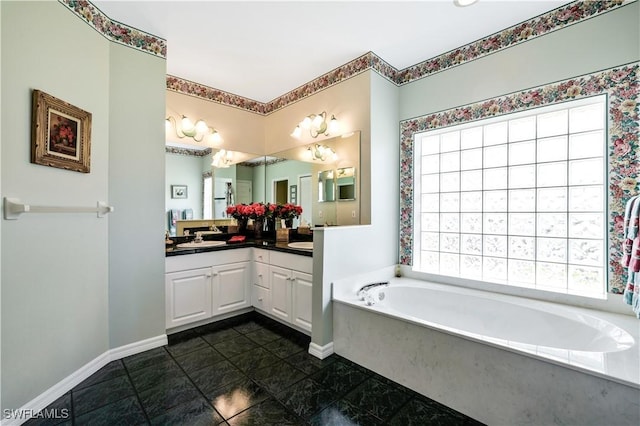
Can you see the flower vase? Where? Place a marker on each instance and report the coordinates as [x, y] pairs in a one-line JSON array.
[[288, 223], [258, 225], [242, 226], [270, 225]]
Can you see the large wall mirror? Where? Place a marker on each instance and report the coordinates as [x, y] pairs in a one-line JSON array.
[[294, 175]]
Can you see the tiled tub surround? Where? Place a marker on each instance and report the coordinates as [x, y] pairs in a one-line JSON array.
[[244, 370], [528, 384]]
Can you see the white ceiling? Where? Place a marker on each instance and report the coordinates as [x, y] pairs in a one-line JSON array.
[[264, 49]]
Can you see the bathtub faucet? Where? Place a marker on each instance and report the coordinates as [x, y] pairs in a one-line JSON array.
[[365, 288]]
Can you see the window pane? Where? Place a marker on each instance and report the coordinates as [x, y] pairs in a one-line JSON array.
[[522, 176], [588, 117], [450, 202], [449, 222], [430, 241], [471, 180], [586, 172], [522, 200], [430, 261], [430, 222], [495, 223], [471, 267], [522, 129], [522, 153], [430, 145], [552, 224], [552, 200], [495, 245], [551, 249], [522, 224], [522, 248], [586, 199], [522, 271], [586, 225], [584, 279], [589, 145], [495, 156], [552, 274], [430, 164], [450, 262], [552, 174], [471, 223], [450, 141], [471, 138], [450, 182], [450, 162], [495, 134], [430, 183], [495, 178], [495, 201], [450, 243], [471, 201], [552, 149], [471, 244], [430, 202], [471, 159], [586, 252], [553, 123], [494, 269]]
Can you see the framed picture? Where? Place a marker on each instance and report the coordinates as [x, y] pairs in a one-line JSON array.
[[178, 191], [60, 134]]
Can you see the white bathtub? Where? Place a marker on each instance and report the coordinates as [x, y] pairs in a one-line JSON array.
[[500, 359]]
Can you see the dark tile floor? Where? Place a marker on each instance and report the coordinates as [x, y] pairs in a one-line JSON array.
[[247, 370]]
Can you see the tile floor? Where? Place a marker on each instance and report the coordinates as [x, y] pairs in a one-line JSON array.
[[248, 370]]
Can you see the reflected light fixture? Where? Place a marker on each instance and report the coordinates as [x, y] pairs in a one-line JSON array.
[[319, 152], [185, 128], [222, 159], [317, 125]]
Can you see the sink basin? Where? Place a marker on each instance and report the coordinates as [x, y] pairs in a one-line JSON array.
[[202, 244], [305, 245]]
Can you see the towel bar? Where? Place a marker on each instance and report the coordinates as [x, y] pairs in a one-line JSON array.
[[13, 208]]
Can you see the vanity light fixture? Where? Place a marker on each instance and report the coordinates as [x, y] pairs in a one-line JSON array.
[[187, 129], [222, 159], [317, 125], [319, 152]]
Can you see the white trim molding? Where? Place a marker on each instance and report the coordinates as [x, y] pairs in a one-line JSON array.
[[321, 352], [43, 400]]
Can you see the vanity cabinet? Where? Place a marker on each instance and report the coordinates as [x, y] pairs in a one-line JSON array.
[[282, 284], [203, 285]]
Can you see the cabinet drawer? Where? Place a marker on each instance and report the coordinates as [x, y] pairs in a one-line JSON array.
[[261, 255], [203, 260], [292, 261], [261, 298], [261, 275]]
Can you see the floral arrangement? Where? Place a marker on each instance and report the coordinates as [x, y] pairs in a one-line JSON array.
[[287, 211], [247, 211]]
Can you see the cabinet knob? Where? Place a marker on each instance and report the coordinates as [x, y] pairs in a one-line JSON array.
[[260, 275], [259, 299], [208, 275]]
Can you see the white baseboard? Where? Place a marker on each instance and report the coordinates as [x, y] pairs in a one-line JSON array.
[[321, 351], [65, 385]]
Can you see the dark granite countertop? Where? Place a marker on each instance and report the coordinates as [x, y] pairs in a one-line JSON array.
[[268, 244]]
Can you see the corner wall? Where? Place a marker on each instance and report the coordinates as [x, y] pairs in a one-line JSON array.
[[54, 266]]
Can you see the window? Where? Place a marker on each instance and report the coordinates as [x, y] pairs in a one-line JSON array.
[[207, 196], [516, 200]]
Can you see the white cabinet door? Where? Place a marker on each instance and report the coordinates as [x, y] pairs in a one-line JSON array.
[[280, 280], [231, 287], [301, 299], [188, 296]]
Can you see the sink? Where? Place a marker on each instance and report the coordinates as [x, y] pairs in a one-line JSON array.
[[305, 245], [202, 244]]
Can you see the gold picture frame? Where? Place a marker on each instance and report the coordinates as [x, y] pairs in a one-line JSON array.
[[60, 134]]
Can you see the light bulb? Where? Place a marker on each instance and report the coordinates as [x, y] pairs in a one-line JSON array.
[[215, 137], [167, 125], [317, 121], [187, 125], [297, 132], [201, 126], [306, 123], [333, 125]]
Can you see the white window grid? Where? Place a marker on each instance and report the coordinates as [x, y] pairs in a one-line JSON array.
[[516, 200]]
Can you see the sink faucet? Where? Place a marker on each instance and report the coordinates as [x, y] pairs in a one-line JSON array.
[[198, 238], [365, 288]]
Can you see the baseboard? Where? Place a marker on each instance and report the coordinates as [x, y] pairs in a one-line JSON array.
[[65, 385], [321, 351]]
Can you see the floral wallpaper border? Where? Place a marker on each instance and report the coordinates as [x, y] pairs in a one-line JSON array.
[[116, 31], [556, 19], [622, 86], [187, 151]]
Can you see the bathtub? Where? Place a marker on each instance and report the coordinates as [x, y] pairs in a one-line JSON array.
[[499, 359]]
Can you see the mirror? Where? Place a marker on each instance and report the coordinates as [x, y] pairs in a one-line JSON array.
[[326, 186], [310, 173], [293, 175], [346, 184]]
